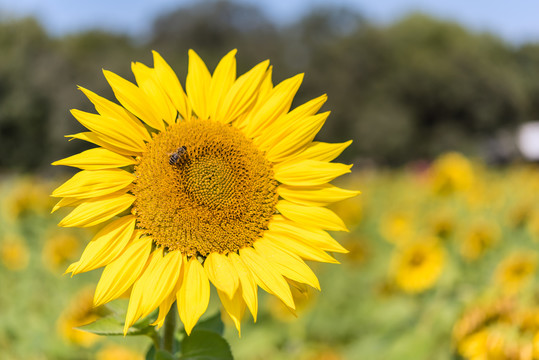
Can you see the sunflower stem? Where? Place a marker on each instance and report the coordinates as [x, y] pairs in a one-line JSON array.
[[169, 329], [156, 340]]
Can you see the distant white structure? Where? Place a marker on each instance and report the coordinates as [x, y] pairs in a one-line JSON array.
[[528, 140]]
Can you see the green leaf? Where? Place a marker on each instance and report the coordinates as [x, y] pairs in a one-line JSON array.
[[111, 326], [163, 355], [118, 308], [205, 345], [212, 323]]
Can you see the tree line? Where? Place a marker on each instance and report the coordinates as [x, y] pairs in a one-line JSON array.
[[405, 91]]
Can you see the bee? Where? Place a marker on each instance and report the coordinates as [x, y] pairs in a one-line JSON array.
[[177, 155]]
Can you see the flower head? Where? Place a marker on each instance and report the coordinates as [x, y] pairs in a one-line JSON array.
[[79, 312], [515, 271], [480, 236], [417, 266], [59, 250], [451, 172], [220, 183], [14, 253]]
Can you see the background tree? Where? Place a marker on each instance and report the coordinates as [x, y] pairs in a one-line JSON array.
[[406, 91]]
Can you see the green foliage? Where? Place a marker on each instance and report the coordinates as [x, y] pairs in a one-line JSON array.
[[212, 324], [205, 345]]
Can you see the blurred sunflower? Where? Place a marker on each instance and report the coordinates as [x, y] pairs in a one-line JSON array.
[[304, 297], [59, 250], [417, 266], [14, 253], [533, 225], [478, 238], [28, 196], [221, 183], [116, 352], [450, 173], [515, 271], [520, 215], [80, 311], [499, 328], [535, 345], [397, 227], [442, 224]]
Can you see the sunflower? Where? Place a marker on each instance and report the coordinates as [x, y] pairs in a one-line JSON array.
[[219, 183], [515, 271], [80, 311], [417, 266], [451, 173], [397, 227], [59, 250], [117, 352], [478, 238], [14, 253], [497, 329]]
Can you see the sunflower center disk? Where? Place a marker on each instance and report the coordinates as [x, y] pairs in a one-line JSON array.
[[217, 194]]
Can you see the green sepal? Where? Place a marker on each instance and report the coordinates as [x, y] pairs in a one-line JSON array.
[[118, 308], [205, 345]]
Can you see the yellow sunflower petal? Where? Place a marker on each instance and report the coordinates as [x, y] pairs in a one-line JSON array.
[[299, 248], [165, 306], [98, 210], [94, 183], [221, 273], [198, 85], [106, 245], [102, 141], [322, 151], [266, 276], [265, 88], [114, 135], [320, 195], [120, 274], [308, 172], [169, 81], [97, 159], [67, 202], [221, 82], [134, 100], [313, 236], [288, 264], [242, 93], [134, 309], [117, 116], [155, 284], [235, 307], [297, 137], [311, 216], [158, 100], [278, 103], [262, 94], [194, 295], [249, 289], [284, 124]]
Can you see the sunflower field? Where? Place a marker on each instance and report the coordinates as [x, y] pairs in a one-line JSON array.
[[442, 264]]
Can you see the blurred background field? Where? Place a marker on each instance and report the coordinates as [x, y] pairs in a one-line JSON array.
[[443, 239], [443, 259]]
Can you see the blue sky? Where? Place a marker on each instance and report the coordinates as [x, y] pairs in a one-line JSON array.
[[516, 20]]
